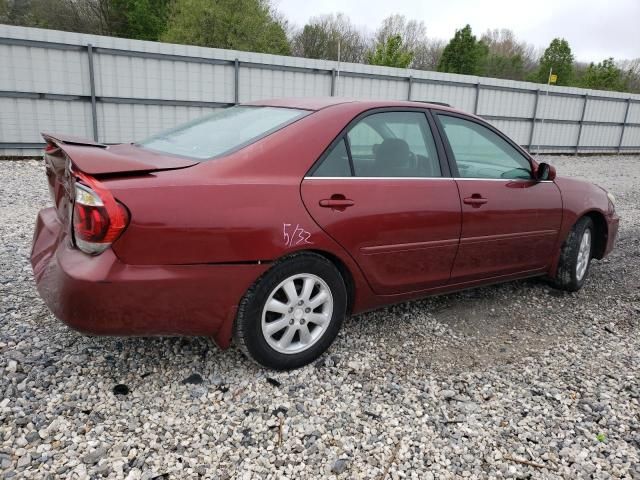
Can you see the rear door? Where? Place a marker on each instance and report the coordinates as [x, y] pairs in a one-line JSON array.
[[385, 194], [510, 222]]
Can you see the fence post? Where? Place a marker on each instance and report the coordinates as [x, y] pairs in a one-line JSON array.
[[236, 79], [92, 86], [624, 124], [533, 120], [410, 84], [584, 110], [475, 107], [333, 82]]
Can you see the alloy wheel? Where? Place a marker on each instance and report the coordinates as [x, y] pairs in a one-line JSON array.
[[584, 254], [297, 313]]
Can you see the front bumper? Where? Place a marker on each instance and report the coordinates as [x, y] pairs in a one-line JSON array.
[[101, 295]]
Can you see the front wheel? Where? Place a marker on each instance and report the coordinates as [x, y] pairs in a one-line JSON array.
[[575, 256], [293, 312]]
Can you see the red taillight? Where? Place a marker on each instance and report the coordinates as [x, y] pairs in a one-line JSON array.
[[98, 219]]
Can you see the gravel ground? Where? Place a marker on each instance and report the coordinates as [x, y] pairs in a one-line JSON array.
[[510, 381]]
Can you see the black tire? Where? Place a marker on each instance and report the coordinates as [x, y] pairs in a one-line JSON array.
[[566, 276], [248, 333]]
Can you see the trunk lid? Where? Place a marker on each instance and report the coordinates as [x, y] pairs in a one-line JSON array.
[[96, 158], [64, 154]]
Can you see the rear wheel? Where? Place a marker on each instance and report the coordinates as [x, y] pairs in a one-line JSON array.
[[293, 312], [575, 256]]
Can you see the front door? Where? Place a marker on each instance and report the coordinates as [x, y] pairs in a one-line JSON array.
[[380, 192], [510, 222]]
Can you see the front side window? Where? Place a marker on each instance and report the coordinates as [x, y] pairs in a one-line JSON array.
[[481, 153], [223, 131], [393, 144]]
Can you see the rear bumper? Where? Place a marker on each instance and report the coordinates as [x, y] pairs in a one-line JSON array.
[[101, 295]]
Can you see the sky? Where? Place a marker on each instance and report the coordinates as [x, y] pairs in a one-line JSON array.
[[595, 29]]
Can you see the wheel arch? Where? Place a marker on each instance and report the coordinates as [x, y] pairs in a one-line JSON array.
[[347, 276], [600, 235], [601, 232], [345, 272]]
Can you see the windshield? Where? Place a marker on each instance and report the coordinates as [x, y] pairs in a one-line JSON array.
[[224, 130]]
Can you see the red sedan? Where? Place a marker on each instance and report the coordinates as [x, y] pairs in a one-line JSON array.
[[270, 222]]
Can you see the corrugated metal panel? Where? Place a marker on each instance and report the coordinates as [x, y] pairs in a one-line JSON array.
[[29, 69], [134, 77], [560, 108], [127, 123], [509, 104], [359, 87], [461, 97], [600, 135], [605, 111], [631, 137], [259, 83], [634, 113], [562, 134], [518, 130], [22, 119]]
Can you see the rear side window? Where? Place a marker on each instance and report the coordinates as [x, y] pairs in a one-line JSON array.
[[222, 131], [336, 163], [385, 144]]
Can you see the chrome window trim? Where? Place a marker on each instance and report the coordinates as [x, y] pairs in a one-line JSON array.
[[378, 178], [429, 178]]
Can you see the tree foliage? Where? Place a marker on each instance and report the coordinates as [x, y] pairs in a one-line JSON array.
[[507, 57], [463, 54], [604, 76], [412, 32], [4, 10], [426, 52], [631, 72], [321, 36], [391, 53], [558, 58], [141, 19], [249, 25]]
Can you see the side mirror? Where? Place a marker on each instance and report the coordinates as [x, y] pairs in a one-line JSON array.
[[545, 172]]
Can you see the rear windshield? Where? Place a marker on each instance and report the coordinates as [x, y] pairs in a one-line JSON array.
[[222, 131]]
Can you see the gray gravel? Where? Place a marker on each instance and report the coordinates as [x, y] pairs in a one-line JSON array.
[[510, 381]]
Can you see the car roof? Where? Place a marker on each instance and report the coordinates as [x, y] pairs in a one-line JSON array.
[[319, 103]]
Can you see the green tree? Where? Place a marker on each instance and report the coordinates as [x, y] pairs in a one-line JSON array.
[[463, 54], [390, 53], [4, 10], [250, 25], [604, 76], [499, 66], [140, 19], [558, 57]]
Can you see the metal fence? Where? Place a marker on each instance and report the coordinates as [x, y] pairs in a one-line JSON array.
[[118, 90]]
